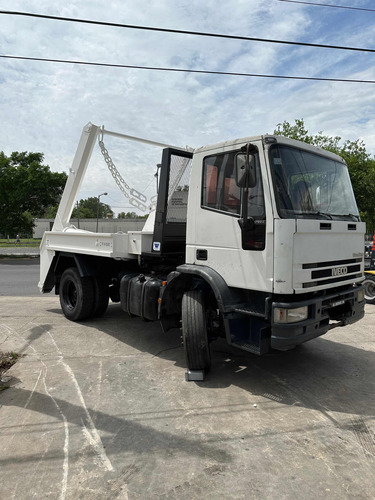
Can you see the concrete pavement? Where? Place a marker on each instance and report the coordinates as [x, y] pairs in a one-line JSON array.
[[101, 410]]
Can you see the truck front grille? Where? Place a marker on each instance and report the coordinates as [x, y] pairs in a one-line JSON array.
[[331, 272]]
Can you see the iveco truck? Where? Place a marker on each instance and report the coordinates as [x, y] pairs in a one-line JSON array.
[[257, 240]]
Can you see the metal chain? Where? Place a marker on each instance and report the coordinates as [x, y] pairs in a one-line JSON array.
[[138, 199]]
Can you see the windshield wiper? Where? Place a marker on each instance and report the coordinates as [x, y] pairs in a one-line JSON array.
[[352, 216], [322, 214]]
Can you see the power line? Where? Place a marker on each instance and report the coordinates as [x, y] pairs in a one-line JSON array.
[[328, 5], [185, 32], [182, 70]]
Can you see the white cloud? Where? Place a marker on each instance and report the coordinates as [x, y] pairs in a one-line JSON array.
[[45, 105]]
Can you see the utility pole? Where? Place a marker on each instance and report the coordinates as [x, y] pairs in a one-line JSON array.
[[97, 212], [77, 214]]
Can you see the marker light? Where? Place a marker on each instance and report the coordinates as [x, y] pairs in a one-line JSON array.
[[361, 295]]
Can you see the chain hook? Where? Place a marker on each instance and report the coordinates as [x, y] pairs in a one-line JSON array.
[[101, 136]]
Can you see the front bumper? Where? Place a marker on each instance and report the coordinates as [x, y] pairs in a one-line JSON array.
[[325, 312]]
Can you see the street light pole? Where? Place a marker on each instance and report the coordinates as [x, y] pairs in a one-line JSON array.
[[77, 214], [97, 211]]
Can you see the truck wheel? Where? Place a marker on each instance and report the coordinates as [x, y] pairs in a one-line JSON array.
[[76, 295], [369, 284], [101, 296], [194, 331]]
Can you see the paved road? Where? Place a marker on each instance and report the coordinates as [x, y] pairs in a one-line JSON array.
[[101, 409], [19, 277]]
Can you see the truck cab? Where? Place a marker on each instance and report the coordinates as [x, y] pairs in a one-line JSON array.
[[294, 267]]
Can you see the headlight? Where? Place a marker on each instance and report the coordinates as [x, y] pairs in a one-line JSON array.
[[284, 315], [361, 295]]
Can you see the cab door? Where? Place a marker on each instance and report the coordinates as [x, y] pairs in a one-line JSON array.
[[214, 236]]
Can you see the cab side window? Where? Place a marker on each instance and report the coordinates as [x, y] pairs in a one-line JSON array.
[[220, 191]]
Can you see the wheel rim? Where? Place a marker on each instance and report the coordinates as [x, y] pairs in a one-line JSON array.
[[70, 295], [369, 289]]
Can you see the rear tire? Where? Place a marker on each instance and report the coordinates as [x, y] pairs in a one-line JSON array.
[[76, 295], [194, 331], [369, 284]]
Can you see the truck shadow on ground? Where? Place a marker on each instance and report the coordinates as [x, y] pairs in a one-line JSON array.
[[322, 374], [120, 433]]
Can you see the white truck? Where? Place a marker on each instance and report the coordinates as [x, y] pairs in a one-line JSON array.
[[257, 240]]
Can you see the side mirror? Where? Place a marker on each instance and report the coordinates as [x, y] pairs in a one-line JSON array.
[[245, 170]]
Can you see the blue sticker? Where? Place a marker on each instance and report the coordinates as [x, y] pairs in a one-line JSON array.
[[156, 246]]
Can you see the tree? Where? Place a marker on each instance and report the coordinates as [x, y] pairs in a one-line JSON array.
[[82, 213], [360, 164], [131, 215], [27, 189], [51, 212], [128, 215], [88, 209]]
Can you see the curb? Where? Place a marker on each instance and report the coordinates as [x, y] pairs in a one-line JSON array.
[[19, 255]]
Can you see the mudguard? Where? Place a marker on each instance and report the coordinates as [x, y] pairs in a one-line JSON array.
[[190, 276]]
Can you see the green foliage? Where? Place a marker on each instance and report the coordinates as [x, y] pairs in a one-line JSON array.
[[51, 212], [88, 209], [128, 215], [83, 213], [360, 164], [24, 243], [27, 189], [7, 359]]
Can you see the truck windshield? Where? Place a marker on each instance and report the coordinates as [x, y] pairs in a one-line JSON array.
[[309, 185]]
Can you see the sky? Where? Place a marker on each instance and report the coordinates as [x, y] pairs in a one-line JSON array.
[[44, 106]]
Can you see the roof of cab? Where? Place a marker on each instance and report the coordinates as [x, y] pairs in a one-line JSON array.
[[268, 140]]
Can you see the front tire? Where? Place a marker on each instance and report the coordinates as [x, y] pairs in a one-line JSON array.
[[369, 284], [76, 295], [194, 331]]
